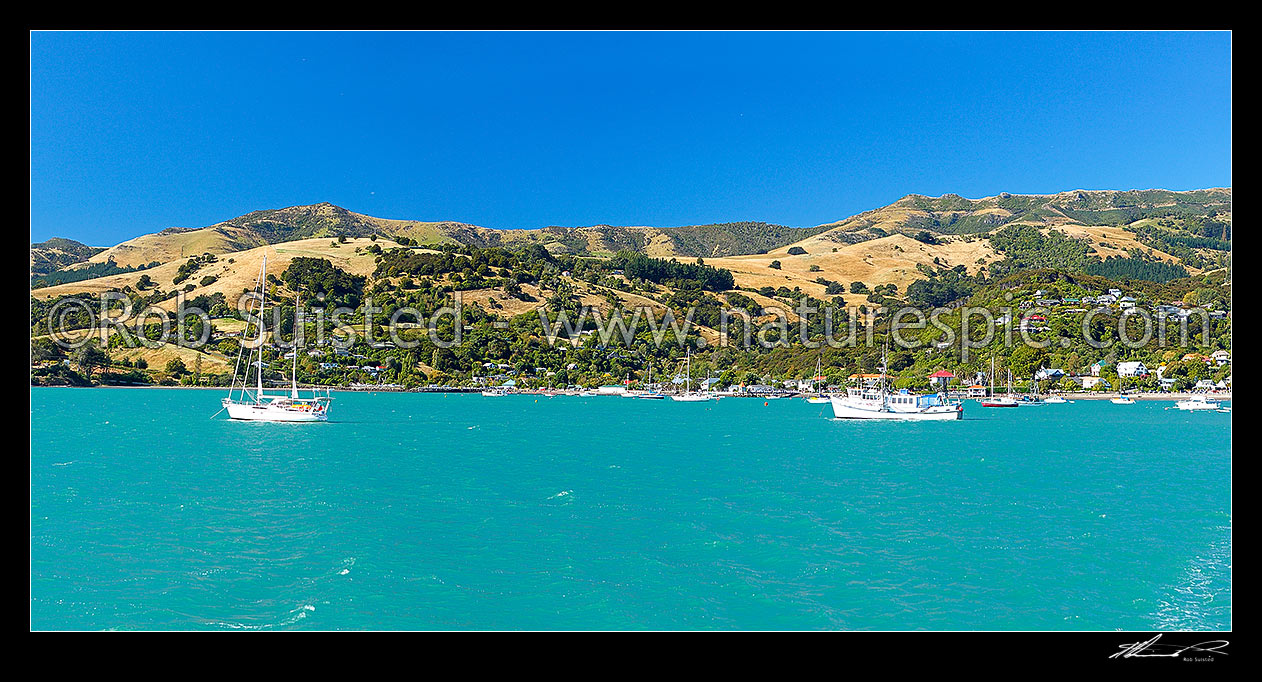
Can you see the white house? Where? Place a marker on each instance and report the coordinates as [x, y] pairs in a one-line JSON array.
[[1221, 357], [1131, 369]]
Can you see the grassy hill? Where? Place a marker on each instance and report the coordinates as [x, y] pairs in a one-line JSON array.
[[953, 214], [890, 245], [328, 221], [57, 253], [233, 273]]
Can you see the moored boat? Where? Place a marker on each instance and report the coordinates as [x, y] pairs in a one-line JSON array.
[[819, 396], [878, 404], [1198, 403], [256, 405], [993, 400], [689, 395], [649, 393], [875, 401]]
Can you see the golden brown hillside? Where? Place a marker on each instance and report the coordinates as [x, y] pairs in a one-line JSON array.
[[874, 247], [235, 271], [888, 260]]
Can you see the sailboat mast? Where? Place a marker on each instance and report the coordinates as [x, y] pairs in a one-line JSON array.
[[688, 371], [294, 375], [236, 368], [258, 397], [884, 363]]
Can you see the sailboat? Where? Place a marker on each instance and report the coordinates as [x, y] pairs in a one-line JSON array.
[[818, 397], [257, 405], [689, 395], [998, 401], [650, 394], [1033, 398], [876, 402]]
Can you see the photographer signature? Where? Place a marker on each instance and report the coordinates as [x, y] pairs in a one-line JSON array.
[[1151, 649]]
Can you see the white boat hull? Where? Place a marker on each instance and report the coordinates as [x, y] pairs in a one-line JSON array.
[[687, 398], [269, 413], [1197, 405], [843, 409]]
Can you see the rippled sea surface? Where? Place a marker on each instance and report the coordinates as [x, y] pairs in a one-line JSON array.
[[432, 511]]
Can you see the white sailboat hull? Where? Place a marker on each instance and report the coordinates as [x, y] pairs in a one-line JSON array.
[[690, 398], [843, 408], [266, 412]]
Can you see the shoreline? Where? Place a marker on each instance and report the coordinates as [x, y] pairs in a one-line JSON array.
[[1171, 397]]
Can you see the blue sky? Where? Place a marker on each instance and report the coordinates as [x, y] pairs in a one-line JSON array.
[[135, 132]]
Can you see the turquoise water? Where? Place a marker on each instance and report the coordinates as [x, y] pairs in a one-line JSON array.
[[423, 511]]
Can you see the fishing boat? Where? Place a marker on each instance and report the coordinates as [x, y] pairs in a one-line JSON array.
[[1122, 400], [993, 400], [256, 405], [1198, 403], [689, 395], [876, 401]]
